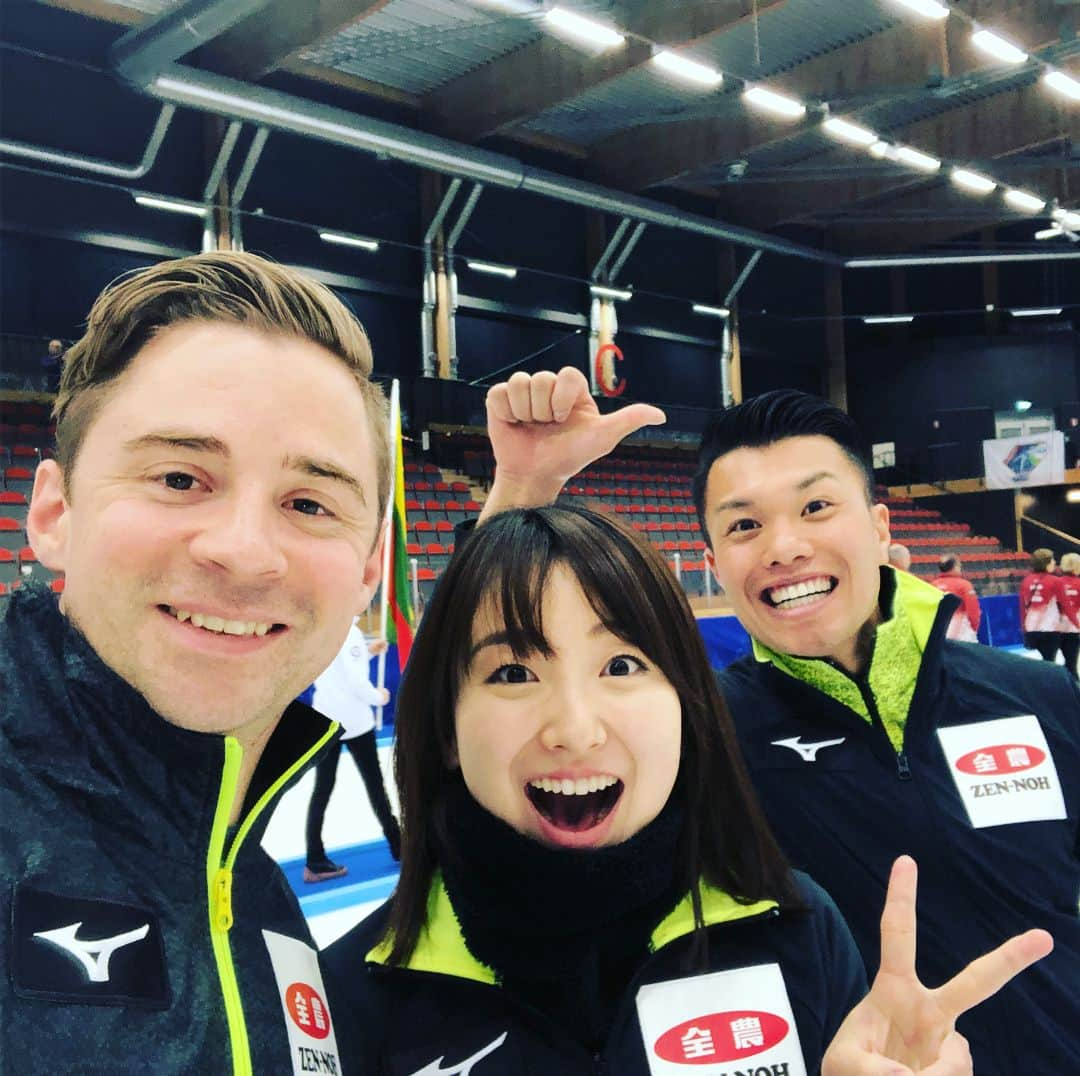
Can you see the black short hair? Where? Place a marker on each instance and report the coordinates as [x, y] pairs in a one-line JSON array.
[[948, 562], [771, 417]]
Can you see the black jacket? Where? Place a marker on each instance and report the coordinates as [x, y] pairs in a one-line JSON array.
[[847, 813], [446, 1007], [115, 829]]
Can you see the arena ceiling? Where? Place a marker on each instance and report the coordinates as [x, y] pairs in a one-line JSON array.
[[474, 70]]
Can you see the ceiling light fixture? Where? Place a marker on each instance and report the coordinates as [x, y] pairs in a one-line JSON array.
[[879, 149], [774, 102], [610, 293], [1068, 219], [972, 181], [1024, 201], [349, 241], [887, 261], [929, 9], [1049, 233], [171, 206], [711, 311], [588, 32], [850, 132], [1036, 311], [917, 159], [888, 319], [1022, 405], [686, 69], [507, 271], [1063, 84], [995, 45]]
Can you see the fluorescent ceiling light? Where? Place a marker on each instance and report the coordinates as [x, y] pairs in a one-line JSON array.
[[1049, 233], [1073, 496], [1022, 405], [972, 181], [774, 102], [879, 149], [888, 319], [1067, 218], [690, 70], [490, 267], [711, 311], [1063, 84], [887, 261], [929, 9], [1036, 311], [917, 159], [1024, 201], [850, 132], [585, 30], [994, 45], [610, 293], [170, 206], [349, 241]]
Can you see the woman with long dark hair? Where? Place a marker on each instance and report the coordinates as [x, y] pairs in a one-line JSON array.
[[587, 882]]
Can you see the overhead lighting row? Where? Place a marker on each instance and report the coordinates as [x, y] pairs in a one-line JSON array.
[[597, 35], [1016, 311]]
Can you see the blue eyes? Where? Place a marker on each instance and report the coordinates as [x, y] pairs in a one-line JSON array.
[[182, 482], [179, 480]]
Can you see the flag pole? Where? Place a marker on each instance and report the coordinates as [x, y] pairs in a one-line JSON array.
[[388, 542]]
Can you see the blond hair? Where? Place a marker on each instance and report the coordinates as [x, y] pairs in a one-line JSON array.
[[219, 286], [1070, 563]]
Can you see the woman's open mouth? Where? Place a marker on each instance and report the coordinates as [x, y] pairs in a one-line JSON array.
[[574, 805]]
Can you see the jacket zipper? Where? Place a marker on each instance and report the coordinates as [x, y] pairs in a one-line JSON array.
[[903, 770], [219, 873], [219, 901]]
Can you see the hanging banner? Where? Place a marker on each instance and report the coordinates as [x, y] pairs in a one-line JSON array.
[[1035, 460]]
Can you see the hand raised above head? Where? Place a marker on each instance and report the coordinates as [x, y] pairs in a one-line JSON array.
[[903, 1027], [545, 428]]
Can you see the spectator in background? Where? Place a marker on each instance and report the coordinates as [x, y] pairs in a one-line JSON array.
[[345, 693], [52, 362], [1039, 612], [1069, 606], [900, 557], [964, 625]]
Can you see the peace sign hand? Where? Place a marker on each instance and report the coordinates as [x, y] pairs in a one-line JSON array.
[[902, 1027], [546, 427]]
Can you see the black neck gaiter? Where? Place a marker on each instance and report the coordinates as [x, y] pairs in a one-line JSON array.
[[564, 929]]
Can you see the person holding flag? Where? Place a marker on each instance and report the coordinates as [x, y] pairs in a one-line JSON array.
[[344, 693]]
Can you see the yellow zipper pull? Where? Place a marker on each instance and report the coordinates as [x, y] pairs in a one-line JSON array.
[[223, 916]]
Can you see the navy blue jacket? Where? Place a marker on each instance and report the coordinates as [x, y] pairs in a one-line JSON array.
[[115, 826], [844, 816], [446, 1007]]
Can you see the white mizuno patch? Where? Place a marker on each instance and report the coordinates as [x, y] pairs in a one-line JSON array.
[[93, 956], [462, 1068], [807, 751]]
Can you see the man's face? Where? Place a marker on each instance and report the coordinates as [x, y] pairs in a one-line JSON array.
[[219, 526], [795, 545]]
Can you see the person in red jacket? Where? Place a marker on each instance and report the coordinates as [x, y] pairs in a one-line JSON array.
[[1039, 615], [965, 622], [1069, 607]]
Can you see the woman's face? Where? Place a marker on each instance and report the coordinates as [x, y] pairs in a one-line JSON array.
[[577, 750]]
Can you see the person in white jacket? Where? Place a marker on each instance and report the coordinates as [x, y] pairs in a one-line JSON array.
[[345, 693]]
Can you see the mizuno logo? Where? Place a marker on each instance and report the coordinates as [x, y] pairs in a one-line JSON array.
[[462, 1068], [807, 751], [92, 956]]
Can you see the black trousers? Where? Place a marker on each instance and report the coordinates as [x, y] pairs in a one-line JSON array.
[[1070, 650], [366, 756], [1046, 642]]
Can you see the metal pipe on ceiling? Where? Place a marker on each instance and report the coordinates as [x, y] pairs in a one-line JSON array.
[[145, 57], [96, 164]]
